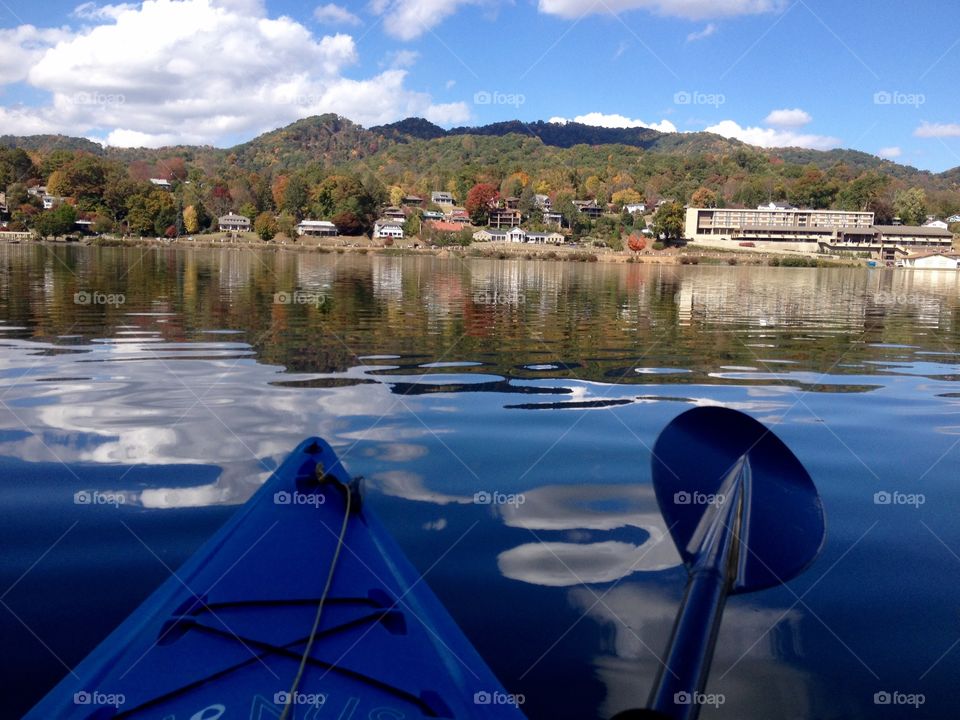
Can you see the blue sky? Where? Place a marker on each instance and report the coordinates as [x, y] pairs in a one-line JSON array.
[[878, 77]]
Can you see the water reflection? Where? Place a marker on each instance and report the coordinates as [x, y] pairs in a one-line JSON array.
[[423, 373]]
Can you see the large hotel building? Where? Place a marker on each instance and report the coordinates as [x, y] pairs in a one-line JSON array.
[[809, 231]]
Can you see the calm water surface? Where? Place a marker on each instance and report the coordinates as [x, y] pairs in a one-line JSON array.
[[439, 379]]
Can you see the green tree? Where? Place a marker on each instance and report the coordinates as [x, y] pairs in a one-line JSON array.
[[668, 222], [295, 196], [911, 206], [265, 226], [58, 221], [287, 225]]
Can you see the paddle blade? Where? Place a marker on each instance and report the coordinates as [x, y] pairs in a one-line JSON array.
[[780, 516]]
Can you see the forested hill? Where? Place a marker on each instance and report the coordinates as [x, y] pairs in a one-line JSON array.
[[329, 167]]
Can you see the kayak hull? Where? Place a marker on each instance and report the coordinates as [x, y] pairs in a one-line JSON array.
[[224, 636]]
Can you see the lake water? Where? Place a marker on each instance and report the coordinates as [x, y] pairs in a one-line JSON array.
[[438, 379]]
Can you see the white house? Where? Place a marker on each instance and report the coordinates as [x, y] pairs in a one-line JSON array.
[[388, 228], [936, 224], [231, 222], [553, 238], [51, 201], [438, 197], [634, 208], [317, 228], [516, 235], [161, 183], [933, 261], [542, 201], [953, 219]]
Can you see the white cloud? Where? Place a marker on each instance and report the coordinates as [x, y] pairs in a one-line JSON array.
[[335, 15], [92, 11], [709, 30], [789, 118], [688, 9], [199, 71], [22, 46], [771, 137], [409, 19], [402, 58], [937, 130], [889, 153], [614, 120]]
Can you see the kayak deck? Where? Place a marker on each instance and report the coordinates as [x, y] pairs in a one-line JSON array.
[[225, 636]]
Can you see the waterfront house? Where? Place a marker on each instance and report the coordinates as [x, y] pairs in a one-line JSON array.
[[543, 202], [411, 200], [511, 203], [439, 197], [936, 224], [231, 222], [317, 228], [933, 261], [432, 215], [388, 228], [552, 238], [634, 208], [3, 203]]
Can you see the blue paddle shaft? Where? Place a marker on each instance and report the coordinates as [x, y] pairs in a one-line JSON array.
[[678, 690], [683, 676]]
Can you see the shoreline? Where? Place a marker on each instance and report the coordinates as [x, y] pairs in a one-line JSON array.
[[687, 255]]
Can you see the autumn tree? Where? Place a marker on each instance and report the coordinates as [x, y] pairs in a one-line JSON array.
[[265, 226], [480, 198], [636, 242], [190, 221], [628, 196], [704, 198]]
